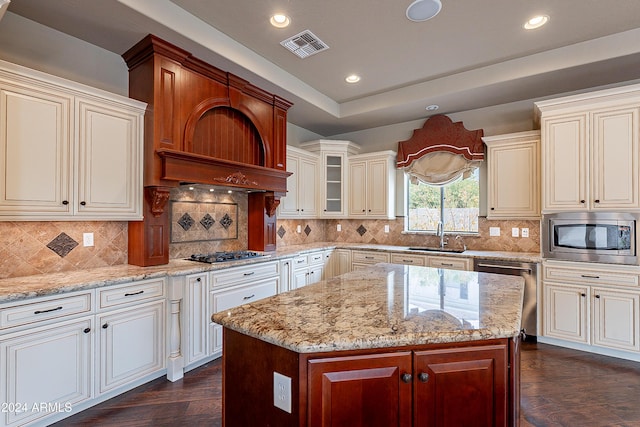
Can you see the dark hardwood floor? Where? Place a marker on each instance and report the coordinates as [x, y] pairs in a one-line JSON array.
[[560, 387]]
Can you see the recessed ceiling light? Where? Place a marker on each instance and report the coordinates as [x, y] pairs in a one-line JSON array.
[[536, 22], [422, 10], [280, 20], [353, 78], [432, 107]]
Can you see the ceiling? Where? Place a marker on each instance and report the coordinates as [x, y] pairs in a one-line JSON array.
[[473, 54]]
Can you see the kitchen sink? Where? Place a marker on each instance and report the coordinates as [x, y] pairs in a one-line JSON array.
[[429, 249]]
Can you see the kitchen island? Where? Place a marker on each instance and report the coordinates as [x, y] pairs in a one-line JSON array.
[[390, 345]]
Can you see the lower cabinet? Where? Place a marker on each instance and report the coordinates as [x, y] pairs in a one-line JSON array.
[[364, 259], [581, 306], [339, 263], [50, 366], [447, 387], [59, 355], [308, 269]]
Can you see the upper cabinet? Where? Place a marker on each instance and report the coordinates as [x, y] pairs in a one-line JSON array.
[[332, 190], [372, 183], [590, 151], [300, 201], [83, 159], [513, 185]]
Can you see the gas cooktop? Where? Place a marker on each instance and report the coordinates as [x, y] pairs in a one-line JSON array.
[[225, 256]]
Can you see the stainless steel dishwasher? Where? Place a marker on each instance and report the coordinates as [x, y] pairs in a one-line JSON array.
[[529, 271]]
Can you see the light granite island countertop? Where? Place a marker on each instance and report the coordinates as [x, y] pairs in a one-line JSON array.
[[391, 345], [385, 306]]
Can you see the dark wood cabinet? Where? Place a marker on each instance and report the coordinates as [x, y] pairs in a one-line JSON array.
[[463, 384], [360, 391]]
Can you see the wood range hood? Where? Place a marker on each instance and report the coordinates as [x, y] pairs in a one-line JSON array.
[[206, 126]]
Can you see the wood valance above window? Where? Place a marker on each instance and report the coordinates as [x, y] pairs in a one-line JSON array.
[[441, 152]]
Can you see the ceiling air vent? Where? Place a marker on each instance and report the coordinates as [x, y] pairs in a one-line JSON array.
[[304, 44]]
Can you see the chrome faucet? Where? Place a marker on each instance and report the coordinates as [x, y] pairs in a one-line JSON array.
[[440, 232]]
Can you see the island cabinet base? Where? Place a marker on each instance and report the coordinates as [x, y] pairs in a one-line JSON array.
[[474, 383]]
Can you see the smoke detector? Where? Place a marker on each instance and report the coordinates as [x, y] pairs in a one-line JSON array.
[[304, 44]]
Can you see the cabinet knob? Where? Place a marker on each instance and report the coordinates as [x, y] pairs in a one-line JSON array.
[[406, 378], [597, 200], [583, 294], [582, 201], [597, 296], [199, 279], [369, 210], [363, 210], [325, 210], [423, 377], [83, 203], [105, 326], [65, 202], [493, 209], [87, 330]]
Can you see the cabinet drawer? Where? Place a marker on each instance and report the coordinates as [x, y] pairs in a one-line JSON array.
[[243, 295], [239, 275], [408, 259], [300, 261], [370, 257], [316, 258], [449, 262], [582, 276], [34, 312], [131, 292]]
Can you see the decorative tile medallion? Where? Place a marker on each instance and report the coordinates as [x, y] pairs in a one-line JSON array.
[[226, 221], [307, 230], [281, 232], [207, 221], [361, 230], [215, 222], [186, 222], [62, 245]]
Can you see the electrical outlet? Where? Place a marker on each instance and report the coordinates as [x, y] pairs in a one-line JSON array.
[[87, 239], [338, 227], [515, 232], [282, 392], [299, 229], [386, 228], [525, 232], [494, 231]]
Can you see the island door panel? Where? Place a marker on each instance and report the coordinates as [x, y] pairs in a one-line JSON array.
[[360, 391], [461, 387]]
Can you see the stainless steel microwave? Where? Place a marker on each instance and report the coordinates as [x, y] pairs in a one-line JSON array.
[[608, 237]]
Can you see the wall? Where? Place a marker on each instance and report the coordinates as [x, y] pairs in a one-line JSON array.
[[326, 231]]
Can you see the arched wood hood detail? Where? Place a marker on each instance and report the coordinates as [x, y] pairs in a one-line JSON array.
[[203, 125]]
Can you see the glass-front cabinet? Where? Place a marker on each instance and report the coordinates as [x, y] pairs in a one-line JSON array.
[[332, 189]]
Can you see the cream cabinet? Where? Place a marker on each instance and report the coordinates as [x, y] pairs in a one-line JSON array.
[[52, 365], [596, 307], [372, 185], [361, 259], [339, 263], [398, 258], [195, 324], [300, 201], [308, 269], [451, 263], [513, 177], [82, 161], [331, 185], [590, 151], [235, 286]]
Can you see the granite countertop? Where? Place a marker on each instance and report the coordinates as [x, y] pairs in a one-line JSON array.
[[387, 305], [20, 288]]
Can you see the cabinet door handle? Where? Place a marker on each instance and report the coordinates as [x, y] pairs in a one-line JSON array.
[[47, 311], [199, 279], [423, 377], [588, 276], [83, 203], [582, 201], [134, 293], [65, 202], [493, 209], [87, 330], [249, 297], [105, 326], [446, 265], [597, 296], [408, 260], [406, 378], [368, 257], [583, 294], [249, 274], [597, 200]]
